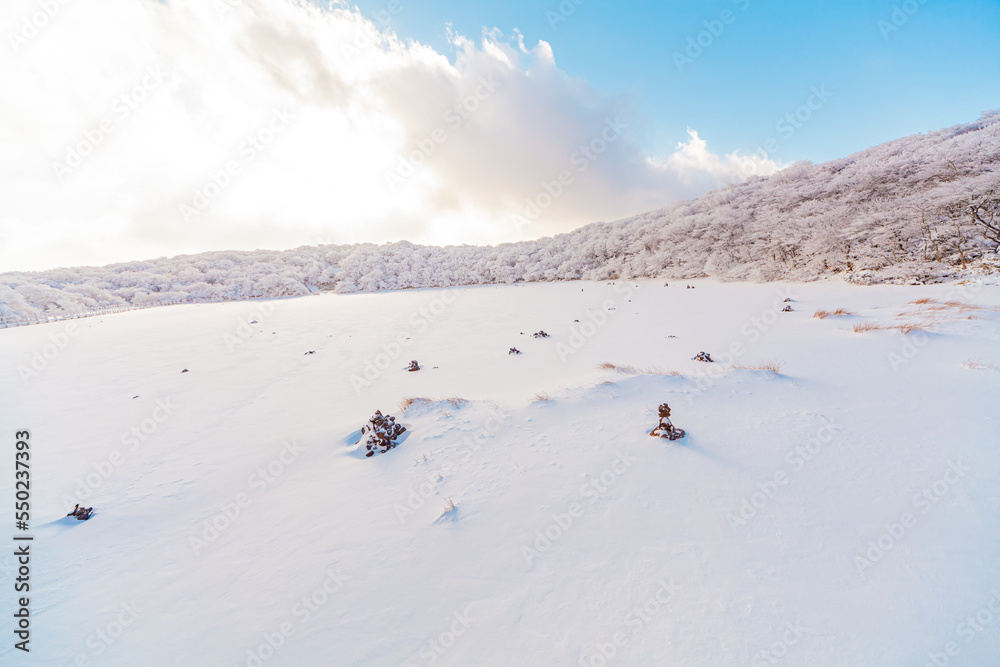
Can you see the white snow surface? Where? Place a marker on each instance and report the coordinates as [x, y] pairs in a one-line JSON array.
[[647, 559]]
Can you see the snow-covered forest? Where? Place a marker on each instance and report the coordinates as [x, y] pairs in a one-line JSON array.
[[917, 209]]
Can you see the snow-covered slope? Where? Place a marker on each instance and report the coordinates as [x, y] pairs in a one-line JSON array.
[[918, 209], [842, 512]]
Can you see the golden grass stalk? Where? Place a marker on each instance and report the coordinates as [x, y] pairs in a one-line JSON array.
[[772, 365]]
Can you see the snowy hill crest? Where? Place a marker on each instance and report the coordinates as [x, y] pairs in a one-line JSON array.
[[918, 209]]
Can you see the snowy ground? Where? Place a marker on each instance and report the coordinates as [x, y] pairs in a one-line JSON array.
[[842, 512]]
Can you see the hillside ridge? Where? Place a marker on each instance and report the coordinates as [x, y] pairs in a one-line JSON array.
[[923, 208]]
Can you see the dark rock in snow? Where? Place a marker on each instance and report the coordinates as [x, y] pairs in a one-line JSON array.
[[665, 429], [383, 431]]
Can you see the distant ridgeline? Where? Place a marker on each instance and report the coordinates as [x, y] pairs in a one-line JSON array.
[[921, 208]]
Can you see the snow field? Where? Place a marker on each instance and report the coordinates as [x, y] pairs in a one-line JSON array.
[[842, 512]]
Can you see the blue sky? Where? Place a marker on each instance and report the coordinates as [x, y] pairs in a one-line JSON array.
[[371, 153], [927, 65]]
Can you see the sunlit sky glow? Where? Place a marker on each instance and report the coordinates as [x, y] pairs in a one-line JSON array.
[[133, 128]]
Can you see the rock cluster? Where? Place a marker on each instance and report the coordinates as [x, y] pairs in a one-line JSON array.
[[383, 431], [665, 429], [81, 513]]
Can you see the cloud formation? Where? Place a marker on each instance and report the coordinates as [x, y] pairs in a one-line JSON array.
[[134, 129]]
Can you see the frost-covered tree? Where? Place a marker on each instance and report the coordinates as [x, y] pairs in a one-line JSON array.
[[921, 207]]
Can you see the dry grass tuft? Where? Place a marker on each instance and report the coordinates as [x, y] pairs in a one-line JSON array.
[[904, 327], [910, 327], [450, 506], [961, 306], [636, 370], [542, 397], [862, 327], [405, 404], [823, 314], [772, 365]]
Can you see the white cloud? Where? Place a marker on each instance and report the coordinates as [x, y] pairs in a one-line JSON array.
[[692, 162], [165, 96]]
